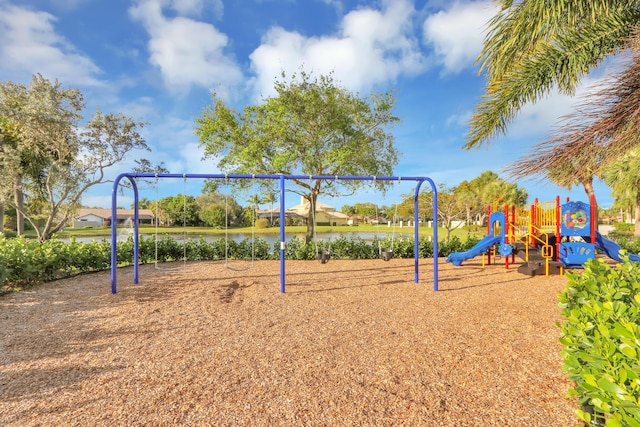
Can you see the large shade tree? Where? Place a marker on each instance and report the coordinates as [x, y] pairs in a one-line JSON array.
[[8, 143], [40, 117], [179, 210], [53, 160], [451, 209], [312, 126], [534, 46]]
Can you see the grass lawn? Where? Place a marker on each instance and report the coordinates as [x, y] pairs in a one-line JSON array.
[[201, 231]]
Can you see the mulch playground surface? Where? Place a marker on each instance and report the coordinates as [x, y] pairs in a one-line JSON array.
[[349, 343]]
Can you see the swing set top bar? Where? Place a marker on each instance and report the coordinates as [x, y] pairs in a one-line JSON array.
[[282, 177], [273, 176]]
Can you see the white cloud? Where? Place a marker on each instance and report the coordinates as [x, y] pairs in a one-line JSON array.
[[534, 121], [542, 117], [68, 4], [187, 52], [31, 45], [191, 156], [176, 144], [336, 4], [457, 34], [371, 47], [459, 119], [196, 7]]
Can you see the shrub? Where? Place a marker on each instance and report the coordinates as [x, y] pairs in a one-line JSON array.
[[601, 335], [262, 223], [403, 248], [453, 245], [425, 248], [299, 250], [343, 248], [24, 262]]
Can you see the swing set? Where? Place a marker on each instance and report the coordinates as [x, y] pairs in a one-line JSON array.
[[132, 177], [156, 263], [228, 264], [386, 253]]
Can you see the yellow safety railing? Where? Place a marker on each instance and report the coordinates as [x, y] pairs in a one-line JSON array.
[[545, 216], [530, 226], [541, 237]]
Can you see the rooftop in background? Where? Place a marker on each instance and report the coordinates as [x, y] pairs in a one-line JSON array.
[[99, 217]]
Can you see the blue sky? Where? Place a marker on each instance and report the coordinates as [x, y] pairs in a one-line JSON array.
[[159, 60]]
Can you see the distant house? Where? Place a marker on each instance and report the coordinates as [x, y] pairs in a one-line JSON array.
[[355, 220], [324, 214], [97, 217], [272, 215], [376, 219], [368, 219]]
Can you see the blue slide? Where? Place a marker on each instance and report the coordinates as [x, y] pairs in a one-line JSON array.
[[612, 249], [456, 258]]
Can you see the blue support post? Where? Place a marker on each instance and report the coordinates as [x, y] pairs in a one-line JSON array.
[[435, 230], [136, 231], [114, 233], [282, 233]]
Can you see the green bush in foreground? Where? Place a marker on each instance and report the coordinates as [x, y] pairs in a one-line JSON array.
[[601, 335], [26, 262]]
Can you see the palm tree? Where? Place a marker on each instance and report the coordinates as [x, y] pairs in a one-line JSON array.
[[255, 201], [270, 197], [603, 129], [623, 177], [533, 46]]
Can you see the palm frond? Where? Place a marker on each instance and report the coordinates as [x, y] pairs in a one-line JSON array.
[[532, 48], [604, 128]]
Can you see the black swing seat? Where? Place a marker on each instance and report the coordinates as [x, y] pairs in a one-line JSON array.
[[386, 254], [323, 257]]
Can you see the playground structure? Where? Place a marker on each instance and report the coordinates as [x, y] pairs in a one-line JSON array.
[[131, 177], [548, 237]]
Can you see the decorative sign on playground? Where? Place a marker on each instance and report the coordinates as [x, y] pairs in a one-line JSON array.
[[576, 219]]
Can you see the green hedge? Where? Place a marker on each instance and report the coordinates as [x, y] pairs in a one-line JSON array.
[[25, 262], [626, 241], [601, 335]]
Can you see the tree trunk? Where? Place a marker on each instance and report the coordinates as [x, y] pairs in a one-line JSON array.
[[446, 224], [636, 229], [1, 218], [19, 201], [480, 218], [271, 215], [311, 218], [587, 183]]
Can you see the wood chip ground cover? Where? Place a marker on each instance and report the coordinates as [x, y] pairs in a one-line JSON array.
[[349, 343]]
